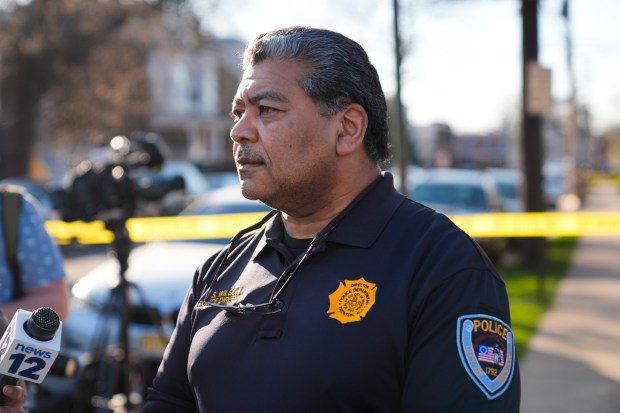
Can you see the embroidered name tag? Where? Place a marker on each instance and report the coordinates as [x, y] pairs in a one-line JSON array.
[[222, 297], [352, 300], [486, 347]]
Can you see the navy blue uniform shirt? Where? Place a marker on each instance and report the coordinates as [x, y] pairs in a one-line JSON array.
[[395, 310]]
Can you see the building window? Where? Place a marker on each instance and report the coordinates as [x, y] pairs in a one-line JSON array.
[[195, 89]]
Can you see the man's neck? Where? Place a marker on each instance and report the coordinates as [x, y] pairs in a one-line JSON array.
[[307, 226]]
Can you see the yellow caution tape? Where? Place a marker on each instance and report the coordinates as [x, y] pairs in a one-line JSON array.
[[191, 227], [533, 224], [156, 228], [540, 224], [78, 231]]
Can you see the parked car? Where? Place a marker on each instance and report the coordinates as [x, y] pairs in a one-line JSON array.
[[217, 180], [510, 187], [161, 273], [555, 182], [195, 182], [226, 200], [175, 201], [415, 175], [459, 192]]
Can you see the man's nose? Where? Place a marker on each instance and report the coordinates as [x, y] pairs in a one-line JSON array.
[[244, 130]]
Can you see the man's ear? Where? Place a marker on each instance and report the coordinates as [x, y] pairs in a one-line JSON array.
[[352, 129]]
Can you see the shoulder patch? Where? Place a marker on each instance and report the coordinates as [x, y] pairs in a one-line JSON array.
[[486, 347]]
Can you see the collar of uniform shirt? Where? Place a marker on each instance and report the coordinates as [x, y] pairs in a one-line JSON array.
[[374, 206]]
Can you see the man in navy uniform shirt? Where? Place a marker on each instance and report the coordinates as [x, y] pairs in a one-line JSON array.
[[352, 298]]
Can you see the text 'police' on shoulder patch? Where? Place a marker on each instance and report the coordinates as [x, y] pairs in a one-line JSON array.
[[486, 347]]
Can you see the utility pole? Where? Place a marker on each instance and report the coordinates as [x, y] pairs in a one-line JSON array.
[[401, 132], [572, 124], [531, 140]]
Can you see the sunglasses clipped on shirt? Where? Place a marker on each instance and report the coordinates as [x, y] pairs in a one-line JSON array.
[[274, 305]]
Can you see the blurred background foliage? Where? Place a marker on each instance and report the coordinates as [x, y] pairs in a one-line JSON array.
[[77, 69]]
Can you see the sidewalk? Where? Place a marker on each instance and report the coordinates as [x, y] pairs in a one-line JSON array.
[[573, 362]]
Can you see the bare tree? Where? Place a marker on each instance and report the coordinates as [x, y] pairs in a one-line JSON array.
[[82, 61]]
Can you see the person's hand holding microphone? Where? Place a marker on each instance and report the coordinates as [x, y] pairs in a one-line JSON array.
[[15, 399], [28, 349]]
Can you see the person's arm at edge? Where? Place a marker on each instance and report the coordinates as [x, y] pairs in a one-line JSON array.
[[37, 249], [53, 295], [433, 348]]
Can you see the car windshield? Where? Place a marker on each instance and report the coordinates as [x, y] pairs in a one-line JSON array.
[[465, 196]]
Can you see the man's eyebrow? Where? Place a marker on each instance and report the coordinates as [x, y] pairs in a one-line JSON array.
[[237, 101], [269, 95]]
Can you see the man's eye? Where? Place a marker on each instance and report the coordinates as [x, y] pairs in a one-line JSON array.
[[266, 110], [236, 115]]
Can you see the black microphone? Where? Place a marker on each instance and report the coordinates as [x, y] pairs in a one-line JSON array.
[[29, 347]]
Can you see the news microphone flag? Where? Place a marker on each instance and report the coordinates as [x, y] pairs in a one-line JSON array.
[[29, 346]]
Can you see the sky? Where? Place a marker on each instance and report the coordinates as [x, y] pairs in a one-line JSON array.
[[463, 59]]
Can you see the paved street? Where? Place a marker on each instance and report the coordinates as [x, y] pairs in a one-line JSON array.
[[573, 365]]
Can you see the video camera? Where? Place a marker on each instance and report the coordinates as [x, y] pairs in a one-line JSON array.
[[101, 187]]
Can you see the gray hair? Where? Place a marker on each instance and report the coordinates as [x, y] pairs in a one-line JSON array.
[[340, 74]]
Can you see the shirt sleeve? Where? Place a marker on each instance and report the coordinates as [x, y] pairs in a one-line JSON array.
[[450, 365], [38, 255], [171, 390]]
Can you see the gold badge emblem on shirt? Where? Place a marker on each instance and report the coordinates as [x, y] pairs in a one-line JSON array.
[[352, 300]]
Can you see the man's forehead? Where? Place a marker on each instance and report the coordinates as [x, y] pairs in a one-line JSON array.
[[275, 68], [271, 79]]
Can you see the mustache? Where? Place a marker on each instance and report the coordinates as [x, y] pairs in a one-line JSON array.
[[245, 152]]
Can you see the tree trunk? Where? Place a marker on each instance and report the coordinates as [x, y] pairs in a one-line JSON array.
[[17, 135]]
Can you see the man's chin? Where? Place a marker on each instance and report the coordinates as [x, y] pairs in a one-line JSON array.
[[250, 191]]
